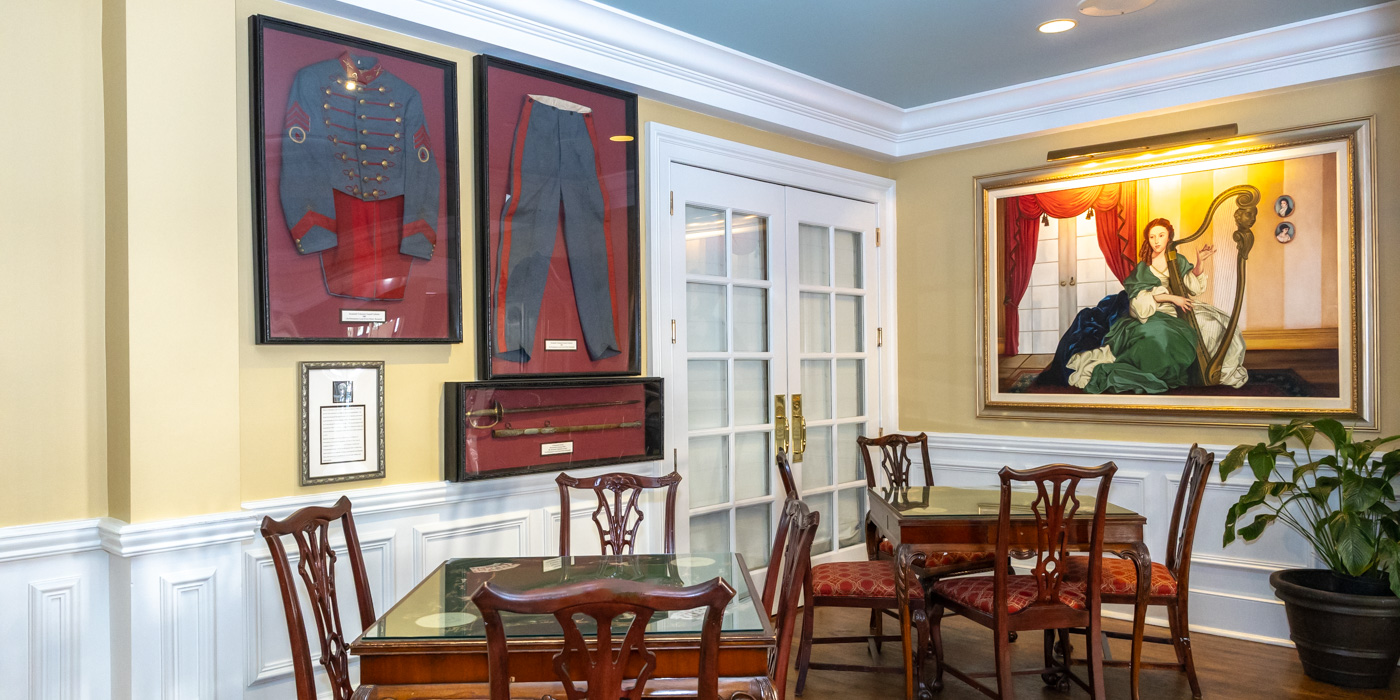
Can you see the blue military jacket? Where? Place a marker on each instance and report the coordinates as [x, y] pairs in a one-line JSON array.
[[354, 127]]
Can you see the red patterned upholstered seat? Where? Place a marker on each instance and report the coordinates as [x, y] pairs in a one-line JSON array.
[[1120, 576], [936, 558], [866, 579], [976, 592]]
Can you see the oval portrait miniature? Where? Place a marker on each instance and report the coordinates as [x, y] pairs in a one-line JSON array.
[[1283, 206], [1284, 233]]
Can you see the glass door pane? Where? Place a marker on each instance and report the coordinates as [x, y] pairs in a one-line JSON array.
[[732, 358], [836, 369]]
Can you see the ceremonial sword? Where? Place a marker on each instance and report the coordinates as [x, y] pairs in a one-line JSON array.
[[554, 430], [497, 411]]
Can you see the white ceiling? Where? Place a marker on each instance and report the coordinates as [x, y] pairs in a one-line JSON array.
[[914, 52]]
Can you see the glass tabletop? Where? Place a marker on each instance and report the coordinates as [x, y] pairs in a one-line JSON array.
[[441, 607], [956, 502]]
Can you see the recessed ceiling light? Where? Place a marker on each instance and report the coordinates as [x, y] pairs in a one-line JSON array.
[[1109, 8], [1055, 26]]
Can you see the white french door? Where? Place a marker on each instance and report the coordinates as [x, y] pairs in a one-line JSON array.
[[772, 299]]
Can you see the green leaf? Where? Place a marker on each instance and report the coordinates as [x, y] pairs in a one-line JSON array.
[[1388, 560], [1261, 462], [1305, 435], [1232, 461], [1360, 493], [1231, 516], [1333, 430], [1303, 470], [1252, 531], [1279, 433], [1356, 550], [1390, 527]]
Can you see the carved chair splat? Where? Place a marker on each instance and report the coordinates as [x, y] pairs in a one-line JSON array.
[[618, 515], [310, 529], [603, 601]]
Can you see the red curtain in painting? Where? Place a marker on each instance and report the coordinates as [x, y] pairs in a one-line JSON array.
[[1115, 209]]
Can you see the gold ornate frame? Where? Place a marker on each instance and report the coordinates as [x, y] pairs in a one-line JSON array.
[[1352, 141]]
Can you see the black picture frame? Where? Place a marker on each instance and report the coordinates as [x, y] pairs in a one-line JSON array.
[[473, 450], [499, 91], [290, 306]]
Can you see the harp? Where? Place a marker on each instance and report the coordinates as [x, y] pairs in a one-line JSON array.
[[1246, 197]]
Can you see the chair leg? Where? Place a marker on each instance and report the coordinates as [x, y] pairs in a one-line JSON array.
[[1002, 646], [1095, 653], [1181, 641], [1135, 655], [877, 629], [1058, 678], [804, 652], [935, 618]]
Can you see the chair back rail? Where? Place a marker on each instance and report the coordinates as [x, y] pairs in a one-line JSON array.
[[785, 474], [310, 529], [603, 601], [618, 515], [792, 551], [1181, 534], [894, 458], [1054, 508]]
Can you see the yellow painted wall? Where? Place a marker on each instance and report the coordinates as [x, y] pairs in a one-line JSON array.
[[52, 427], [937, 313], [267, 379]]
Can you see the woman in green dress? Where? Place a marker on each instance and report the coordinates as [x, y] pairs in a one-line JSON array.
[[1152, 348]]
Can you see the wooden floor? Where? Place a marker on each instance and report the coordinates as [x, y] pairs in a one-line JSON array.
[[1229, 668]]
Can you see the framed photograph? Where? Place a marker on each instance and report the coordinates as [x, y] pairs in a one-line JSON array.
[[355, 190], [499, 429], [1165, 287], [558, 257], [342, 421]]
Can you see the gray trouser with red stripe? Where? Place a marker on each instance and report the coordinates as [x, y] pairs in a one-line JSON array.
[[553, 164]]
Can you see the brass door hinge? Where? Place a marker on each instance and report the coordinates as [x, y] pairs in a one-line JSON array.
[[673, 331], [879, 337], [882, 433], [673, 202], [877, 236]]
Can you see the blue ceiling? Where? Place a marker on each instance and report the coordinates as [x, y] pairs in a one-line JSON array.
[[913, 52]]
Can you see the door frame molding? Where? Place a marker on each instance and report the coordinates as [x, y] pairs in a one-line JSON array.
[[667, 144]]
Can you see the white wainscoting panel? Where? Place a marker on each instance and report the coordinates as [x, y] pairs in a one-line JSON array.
[[187, 634], [54, 639], [506, 535]]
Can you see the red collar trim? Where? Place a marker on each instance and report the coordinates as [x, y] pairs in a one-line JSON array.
[[359, 75]]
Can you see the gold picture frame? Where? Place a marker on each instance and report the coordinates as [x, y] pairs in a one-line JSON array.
[[1269, 326]]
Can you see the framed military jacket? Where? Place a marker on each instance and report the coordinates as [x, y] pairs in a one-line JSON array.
[[355, 182]]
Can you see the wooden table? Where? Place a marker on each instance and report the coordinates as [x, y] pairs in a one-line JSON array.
[[965, 520], [434, 636]]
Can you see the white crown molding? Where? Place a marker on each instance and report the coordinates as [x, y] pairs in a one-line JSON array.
[[591, 40], [1334, 46]]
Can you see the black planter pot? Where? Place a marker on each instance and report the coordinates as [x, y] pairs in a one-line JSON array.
[[1347, 632]]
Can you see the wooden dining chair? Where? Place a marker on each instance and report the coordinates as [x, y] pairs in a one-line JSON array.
[[1167, 586], [618, 515], [310, 528], [1042, 600], [847, 584], [787, 573], [603, 601]]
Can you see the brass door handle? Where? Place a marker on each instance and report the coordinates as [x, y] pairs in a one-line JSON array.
[[780, 423], [1071, 281], [799, 431]]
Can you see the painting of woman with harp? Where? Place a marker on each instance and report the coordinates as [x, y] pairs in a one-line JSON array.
[[1152, 348], [1151, 286]]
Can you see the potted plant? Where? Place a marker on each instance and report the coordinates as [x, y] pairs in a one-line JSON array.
[[1345, 619]]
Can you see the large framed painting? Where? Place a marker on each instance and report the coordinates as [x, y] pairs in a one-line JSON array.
[[355, 190], [1226, 281], [558, 251]]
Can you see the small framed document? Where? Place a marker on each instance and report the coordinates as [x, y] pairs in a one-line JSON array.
[[342, 421]]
